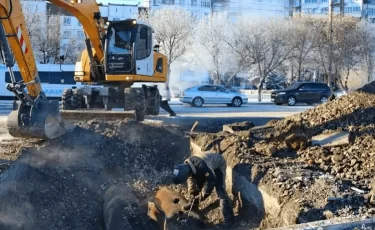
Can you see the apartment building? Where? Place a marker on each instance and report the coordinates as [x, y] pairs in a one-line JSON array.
[[355, 8], [234, 8]]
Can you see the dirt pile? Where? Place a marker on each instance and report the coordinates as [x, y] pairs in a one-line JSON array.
[[60, 184], [299, 180], [352, 113]]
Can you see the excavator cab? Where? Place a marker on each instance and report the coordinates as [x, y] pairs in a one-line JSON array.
[[128, 49], [120, 48]]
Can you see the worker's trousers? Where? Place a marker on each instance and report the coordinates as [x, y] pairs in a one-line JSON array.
[[225, 205]]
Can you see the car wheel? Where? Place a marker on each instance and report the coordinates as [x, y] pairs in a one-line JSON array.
[[291, 101], [236, 102], [229, 105], [323, 99], [198, 102]]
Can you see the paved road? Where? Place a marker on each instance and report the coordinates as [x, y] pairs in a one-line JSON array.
[[211, 117]]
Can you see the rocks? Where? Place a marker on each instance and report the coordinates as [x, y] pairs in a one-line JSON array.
[[266, 149], [297, 141], [240, 126], [331, 140]]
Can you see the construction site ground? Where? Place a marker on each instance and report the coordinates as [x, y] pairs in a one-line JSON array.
[[311, 166]]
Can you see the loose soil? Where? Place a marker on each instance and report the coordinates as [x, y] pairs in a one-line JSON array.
[[300, 182], [59, 184]]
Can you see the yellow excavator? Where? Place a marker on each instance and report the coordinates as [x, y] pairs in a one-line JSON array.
[[117, 55]]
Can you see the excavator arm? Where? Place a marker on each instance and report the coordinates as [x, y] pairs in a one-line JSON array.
[[88, 14], [33, 115], [15, 43]]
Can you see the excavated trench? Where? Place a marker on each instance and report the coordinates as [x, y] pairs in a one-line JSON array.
[[102, 172]]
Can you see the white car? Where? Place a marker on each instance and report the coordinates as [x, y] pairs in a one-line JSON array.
[[212, 94]]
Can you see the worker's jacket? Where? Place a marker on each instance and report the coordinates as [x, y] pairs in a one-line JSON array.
[[204, 167]]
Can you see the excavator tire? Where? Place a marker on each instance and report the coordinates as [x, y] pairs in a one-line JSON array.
[[153, 107], [66, 99], [135, 100], [77, 99]]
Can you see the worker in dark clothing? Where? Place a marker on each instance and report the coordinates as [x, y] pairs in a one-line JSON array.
[[204, 172]]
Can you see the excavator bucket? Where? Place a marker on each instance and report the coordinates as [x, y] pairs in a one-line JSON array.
[[90, 114], [41, 120]]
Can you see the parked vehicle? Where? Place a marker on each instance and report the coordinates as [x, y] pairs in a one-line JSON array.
[[302, 92], [212, 94]]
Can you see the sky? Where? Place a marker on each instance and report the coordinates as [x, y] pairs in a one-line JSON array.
[[105, 2]]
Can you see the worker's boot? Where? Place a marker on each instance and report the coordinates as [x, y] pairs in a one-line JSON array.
[[165, 105], [227, 213]]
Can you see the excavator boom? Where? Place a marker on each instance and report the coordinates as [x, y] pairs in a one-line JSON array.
[[33, 115]]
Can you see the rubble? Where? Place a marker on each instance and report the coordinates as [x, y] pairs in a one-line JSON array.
[[322, 158], [333, 139], [278, 175]]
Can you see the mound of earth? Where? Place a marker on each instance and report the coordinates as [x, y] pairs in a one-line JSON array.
[[301, 180], [59, 184]]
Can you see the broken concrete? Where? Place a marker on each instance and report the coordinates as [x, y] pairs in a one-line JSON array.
[[333, 224], [331, 139], [237, 127]]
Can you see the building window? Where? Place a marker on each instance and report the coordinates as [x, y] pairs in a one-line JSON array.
[[168, 2], [205, 4], [66, 34], [144, 45], [67, 21], [193, 2], [311, 1]]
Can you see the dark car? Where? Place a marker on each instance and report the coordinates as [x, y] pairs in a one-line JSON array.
[[302, 92]]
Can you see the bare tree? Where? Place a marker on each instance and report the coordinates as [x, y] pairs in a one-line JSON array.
[[173, 32], [367, 40], [44, 32], [239, 39], [304, 36], [347, 54], [271, 46], [211, 48]]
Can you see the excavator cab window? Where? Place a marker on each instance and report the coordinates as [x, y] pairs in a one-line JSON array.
[[120, 41], [144, 42]]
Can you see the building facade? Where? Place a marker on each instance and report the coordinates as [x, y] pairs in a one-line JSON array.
[[234, 8], [357, 8]]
